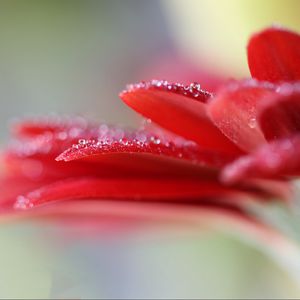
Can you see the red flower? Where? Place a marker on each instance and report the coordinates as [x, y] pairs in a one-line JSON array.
[[216, 154]]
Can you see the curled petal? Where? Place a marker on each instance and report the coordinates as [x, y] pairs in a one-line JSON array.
[[279, 115], [178, 110], [234, 111], [274, 55], [279, 158]]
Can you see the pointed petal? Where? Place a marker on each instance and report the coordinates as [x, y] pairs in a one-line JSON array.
[[142, 142], [274, 55], [234, 112], [177, 109], [279, 115], [279, 158]]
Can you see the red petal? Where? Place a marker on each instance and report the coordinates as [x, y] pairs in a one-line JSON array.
[[30, 128], [234, 111], [126, 152], [110, 165], [178, 110], [279, 115], [274, 55], [48, 137], [184, 191], [12, 186], [271, 160], [141, 142]]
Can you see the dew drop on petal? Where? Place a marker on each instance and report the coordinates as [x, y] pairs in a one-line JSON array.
[[140, 136], [82, 142], [23, 203], [252, 123], [156, 141]]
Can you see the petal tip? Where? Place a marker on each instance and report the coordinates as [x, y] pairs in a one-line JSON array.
[[274, 55]]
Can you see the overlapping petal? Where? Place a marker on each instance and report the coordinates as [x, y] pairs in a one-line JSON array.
[[71, 165], [113, 151], [234, 112], [182, 110], [143, 144]]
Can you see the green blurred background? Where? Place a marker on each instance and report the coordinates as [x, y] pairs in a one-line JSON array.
[[70, 57]]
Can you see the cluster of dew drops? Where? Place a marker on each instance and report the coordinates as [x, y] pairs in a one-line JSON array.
[[193, 90], [110, 138]]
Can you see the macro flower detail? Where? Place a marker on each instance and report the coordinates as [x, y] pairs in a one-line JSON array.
[[212, 150], [273, 55]]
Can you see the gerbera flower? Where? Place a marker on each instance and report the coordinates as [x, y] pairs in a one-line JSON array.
[[199, 155]]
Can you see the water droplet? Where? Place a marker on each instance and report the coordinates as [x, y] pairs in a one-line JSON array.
[[252, 123], [125, 142], [140, 136], [195, 85], [155, 140], [23, 203]]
